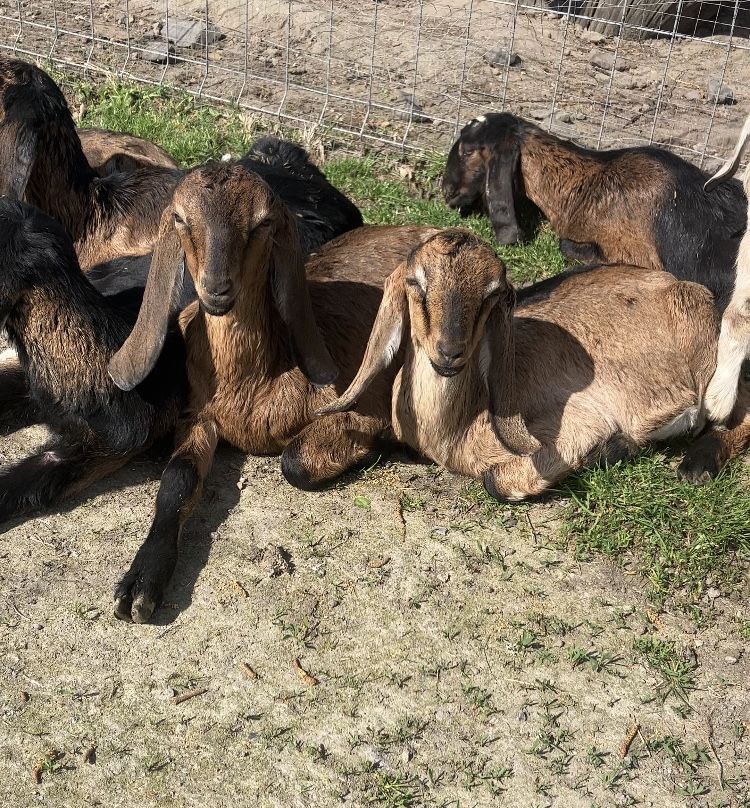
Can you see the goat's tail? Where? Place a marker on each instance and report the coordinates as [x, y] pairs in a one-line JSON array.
[[61, 469]]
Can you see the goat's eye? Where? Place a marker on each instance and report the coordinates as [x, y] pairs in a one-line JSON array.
[[178, 220], [414, 284]]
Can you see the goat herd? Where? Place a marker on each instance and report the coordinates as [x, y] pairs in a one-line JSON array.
[[299, 331]]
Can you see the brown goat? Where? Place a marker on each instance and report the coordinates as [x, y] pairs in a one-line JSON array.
[[257, 364], [593, 365], [642, 206], [108, 151], [41, 160]]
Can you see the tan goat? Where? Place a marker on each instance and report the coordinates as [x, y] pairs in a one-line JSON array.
[[592, 365]]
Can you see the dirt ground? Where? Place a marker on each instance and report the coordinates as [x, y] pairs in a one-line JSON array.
[[452, 654], [355, 67]]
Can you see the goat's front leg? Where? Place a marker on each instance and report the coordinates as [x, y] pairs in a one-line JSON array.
[[330, 446], [142, 588], [734, 347]]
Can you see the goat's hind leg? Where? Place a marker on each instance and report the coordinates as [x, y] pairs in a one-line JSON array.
[[142, 587], [330, 446], [60, 470]]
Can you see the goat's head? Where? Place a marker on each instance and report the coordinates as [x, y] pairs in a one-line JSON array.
[[453, 294], [236, 238], [483, 169], [729, 169], [32, 108]]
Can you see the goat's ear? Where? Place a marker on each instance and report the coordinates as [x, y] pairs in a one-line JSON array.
[[140, 351], [501, 181], [507, 421], [730, 167], [292, 299], [388, 331], [17, 152]]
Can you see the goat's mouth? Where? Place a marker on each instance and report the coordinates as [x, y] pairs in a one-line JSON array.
[[217, 306], [446, 370]]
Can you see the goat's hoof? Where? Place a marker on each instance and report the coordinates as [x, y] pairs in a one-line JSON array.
[[698, 468], [294, 470], [136, 599]]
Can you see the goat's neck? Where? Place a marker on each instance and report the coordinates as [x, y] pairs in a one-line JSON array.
[[62, 182], [434, 413], [554, 174]]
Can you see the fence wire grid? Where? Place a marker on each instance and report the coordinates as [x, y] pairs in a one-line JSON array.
[[408, 75]]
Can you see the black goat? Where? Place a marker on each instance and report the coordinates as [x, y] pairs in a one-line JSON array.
[[640, 206], [64, 333]]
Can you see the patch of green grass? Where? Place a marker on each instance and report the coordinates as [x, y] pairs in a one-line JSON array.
[[680, 532], [190, 131], [397, 792], [677, 674]]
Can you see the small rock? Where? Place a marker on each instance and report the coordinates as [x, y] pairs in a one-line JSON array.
[[731, 660], [38, 626], [602, 59], [713, 593], [625, 82], [500, 57], [414, 110], [407, 755], [523, 716], [276, 561], [439, 532], [720, 93], [159, 52], [563, 117], [538, 114], [225, 158], [693, 95], [594, 37], [191, 33]]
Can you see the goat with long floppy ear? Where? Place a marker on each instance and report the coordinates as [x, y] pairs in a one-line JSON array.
[[292, 301], [506, 420], [388, 331], [140, 351], [17, 146], [500, 189]]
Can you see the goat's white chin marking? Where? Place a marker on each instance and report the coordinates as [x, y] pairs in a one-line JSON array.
[[688, 421]]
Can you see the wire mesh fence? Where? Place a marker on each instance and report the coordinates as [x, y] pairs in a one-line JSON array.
[[408, 74]]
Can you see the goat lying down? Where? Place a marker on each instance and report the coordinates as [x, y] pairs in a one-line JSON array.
[[117, 215], [591, 366], [64, 333], [264, 346], [108, 152], [711, 451], [642, 206]]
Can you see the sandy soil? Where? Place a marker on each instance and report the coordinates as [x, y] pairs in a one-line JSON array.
[[439, 635]]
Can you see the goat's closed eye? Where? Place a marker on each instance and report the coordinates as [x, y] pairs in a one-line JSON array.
[[178, 220], [417, 287]]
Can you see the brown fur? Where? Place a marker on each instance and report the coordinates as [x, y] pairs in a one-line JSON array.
[[252, 359], [582, 382], [108, 151]]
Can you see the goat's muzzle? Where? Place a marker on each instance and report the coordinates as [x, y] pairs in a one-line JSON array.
[[447, 370]]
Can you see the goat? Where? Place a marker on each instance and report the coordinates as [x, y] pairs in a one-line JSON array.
[[41, 160], [118, 215], [641, 206], [258, 365], [64, 333], [711, 451], [591, 366], [109, 152]]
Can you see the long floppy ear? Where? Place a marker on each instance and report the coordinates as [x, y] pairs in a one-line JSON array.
[[500, 187], [17, 153], [292, 300], [388, 331], [507, 421], [730, 167], [140, 351]]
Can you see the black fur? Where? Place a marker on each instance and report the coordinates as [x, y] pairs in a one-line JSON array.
[[141, 589], [697, 233], [65, 332]]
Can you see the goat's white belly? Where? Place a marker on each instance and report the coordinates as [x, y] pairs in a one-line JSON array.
[[691, 420]]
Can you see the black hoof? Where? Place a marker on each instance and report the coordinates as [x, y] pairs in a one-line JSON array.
[[488, 478], [698, 468], [140, 591]]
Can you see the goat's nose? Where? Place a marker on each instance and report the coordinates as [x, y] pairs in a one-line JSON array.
[[219, 287], [450, 352]]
